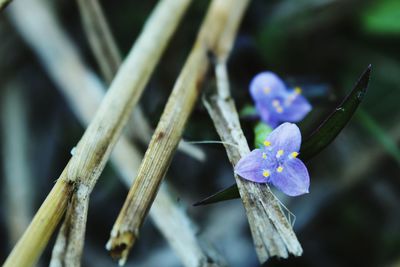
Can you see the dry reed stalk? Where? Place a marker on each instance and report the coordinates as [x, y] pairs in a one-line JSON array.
[[222, 20], [100, 38], [272, 233], [98, 140], [71, 237], [125, 157], [108, 58], [192, 251]]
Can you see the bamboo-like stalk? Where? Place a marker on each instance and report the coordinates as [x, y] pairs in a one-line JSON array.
[[108, 58], [84, 102], [100, 38], [4, 3], [272, 233], [71, 238], [222, 17], [39, 231], [100, 137], [125, 157]]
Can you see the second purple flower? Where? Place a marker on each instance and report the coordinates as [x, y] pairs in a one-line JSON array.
[[275, 103]]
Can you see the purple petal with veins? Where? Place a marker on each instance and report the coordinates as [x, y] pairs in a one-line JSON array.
[[286, 137], [298, 108], [294, 179], [251, 166], [266, 115]]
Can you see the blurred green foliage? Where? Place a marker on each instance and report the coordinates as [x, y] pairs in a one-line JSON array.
[[382, 17]]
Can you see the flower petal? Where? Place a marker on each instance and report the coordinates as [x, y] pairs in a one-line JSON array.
[[250, 167], [266, 115], [297, 110], [293, 180], [264, 82], [286, 137]]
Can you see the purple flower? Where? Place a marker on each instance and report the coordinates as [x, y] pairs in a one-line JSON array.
[[274, 102], [277, 163]]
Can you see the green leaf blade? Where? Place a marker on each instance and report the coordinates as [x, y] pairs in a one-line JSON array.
[[336, 121]]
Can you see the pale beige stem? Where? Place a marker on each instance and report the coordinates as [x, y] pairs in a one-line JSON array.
[[222, 16], [70, 241], [125, 157], [100, 38], [192, 250], [31, 244], [60, 246], [108, 58], [271, 231], [100, 137]]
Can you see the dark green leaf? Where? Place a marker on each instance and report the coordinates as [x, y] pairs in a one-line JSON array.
[[382, 17], [320, 138], [334, 124]]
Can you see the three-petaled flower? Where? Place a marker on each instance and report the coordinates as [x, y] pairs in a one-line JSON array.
[[275, 103], [276, 163]]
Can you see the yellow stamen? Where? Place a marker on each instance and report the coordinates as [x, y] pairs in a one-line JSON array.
[[266, 173], [267, 90], [294, 154], [264, 156], [267, 143], [276, 103], [279, 153], [298, 90], [279, 169], [279, 109]]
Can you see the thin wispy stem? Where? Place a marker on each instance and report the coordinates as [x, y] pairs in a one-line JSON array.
[[108, 58], [17, 189], [222, 17], [100, 38], [96, 144]]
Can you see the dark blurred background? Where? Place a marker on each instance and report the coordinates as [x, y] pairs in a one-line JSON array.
[[351, 216]]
